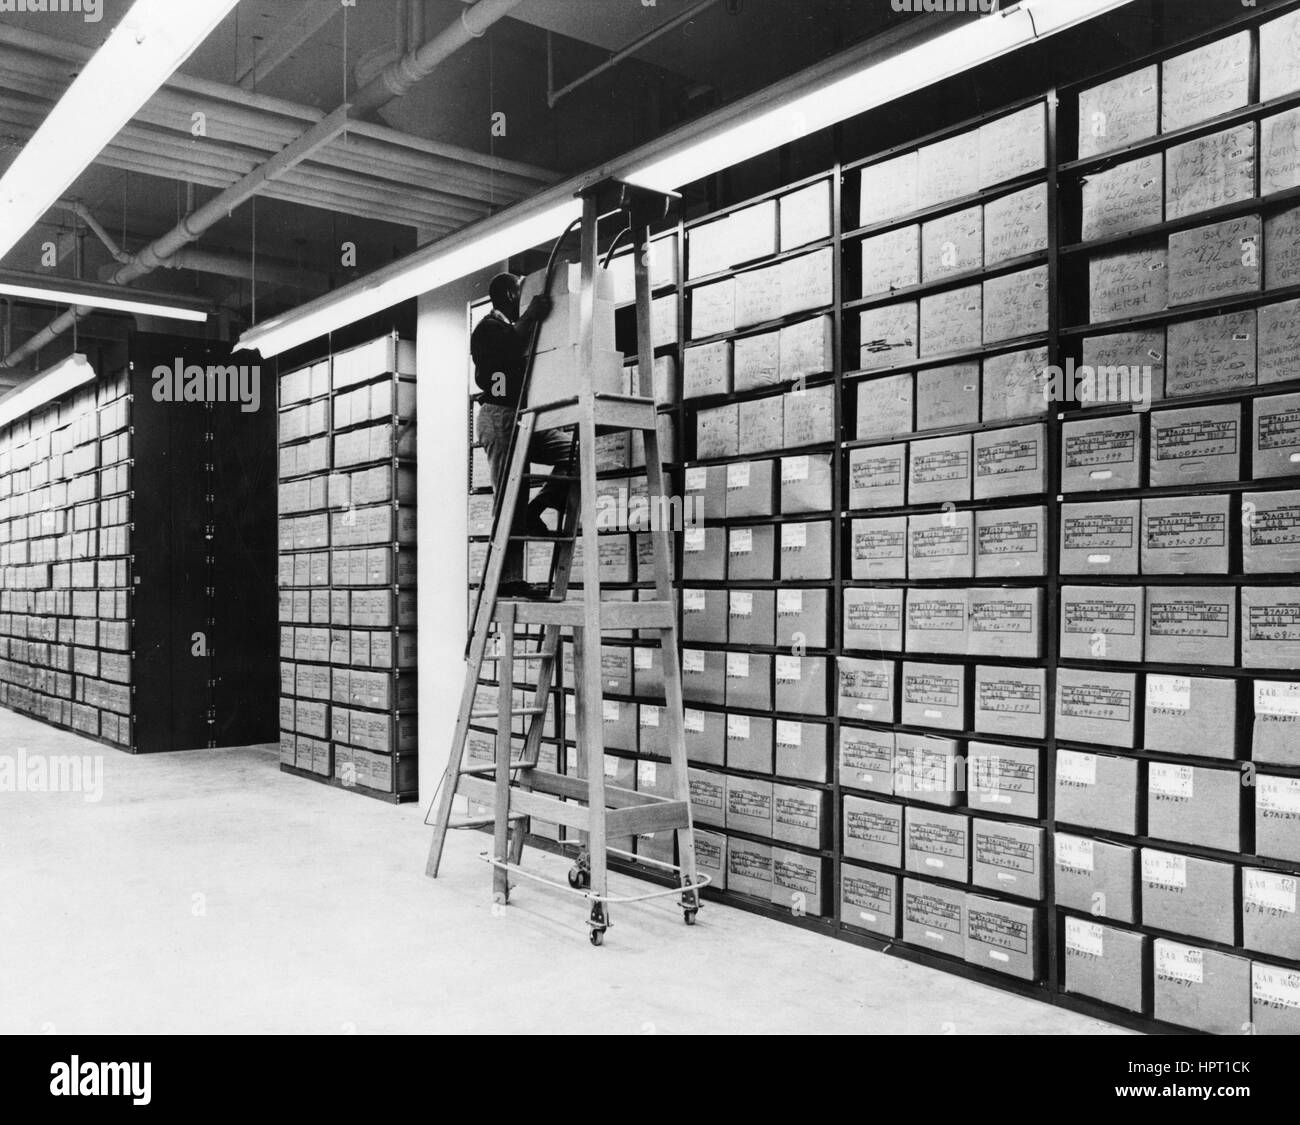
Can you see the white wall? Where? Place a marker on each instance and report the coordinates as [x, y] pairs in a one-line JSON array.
[[443, 477]]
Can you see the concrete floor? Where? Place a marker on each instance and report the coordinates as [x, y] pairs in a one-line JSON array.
[[208, 892]]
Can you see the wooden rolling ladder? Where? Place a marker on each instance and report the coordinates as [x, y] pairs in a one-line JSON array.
[[516, 788]]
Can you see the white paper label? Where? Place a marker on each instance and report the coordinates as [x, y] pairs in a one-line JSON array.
[[643, 658], [794, 536], [789, 669], [1274, 698], [693, 542], [742, 603], [1085, 937], [1164, 869], [1179, 962], [794, 469], [742, 540], [789, 601], [570, 706], [738, 475], [646, 773], [694, 721], [738, 664], [649, 716], [1074, 852], [611, 766], [788, 733], [1269, 890], [696, 480], [1278, 794], [1076, 768], [692, 660], [611, 707], [1275, 987], [738, 726], [693, 601], [1171, 781], [1169, 693]]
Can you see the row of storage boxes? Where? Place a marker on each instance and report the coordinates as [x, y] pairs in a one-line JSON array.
[[42, 522], [31, 613], [380, 442], [77, 490], [352, 766], [16, 629], [383, 732], [77, 545], [382, 523], [782, 876], [83, 717], [789, 485], [762, 294], [379, 485], [384, 355], [382, 690], [375, 403], [760, 230], [623, 558], [374, 566], [799, 552], [115, 666], [49, 471], [335, 607], [87, 574], [771, 424], [365, 609], [991, 543], [59, 430], [768, 359], [357, 648], [66, 685]]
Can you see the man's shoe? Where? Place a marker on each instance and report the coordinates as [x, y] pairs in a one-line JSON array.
[[526, 591], [536, 526]]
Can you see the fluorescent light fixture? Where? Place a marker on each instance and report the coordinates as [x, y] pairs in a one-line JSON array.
[[841, 88], [59, 380], [140, 54], [111, 298]]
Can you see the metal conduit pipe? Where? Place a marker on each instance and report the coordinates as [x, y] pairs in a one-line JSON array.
[[392, 83]]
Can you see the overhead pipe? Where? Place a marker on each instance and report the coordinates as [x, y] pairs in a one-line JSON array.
[[394, 81]]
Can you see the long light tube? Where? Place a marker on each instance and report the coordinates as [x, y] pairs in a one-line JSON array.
[[59, 380], [803, 105], [98, 299], [140, 54]]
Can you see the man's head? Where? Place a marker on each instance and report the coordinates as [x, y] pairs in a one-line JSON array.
[[504, 292]]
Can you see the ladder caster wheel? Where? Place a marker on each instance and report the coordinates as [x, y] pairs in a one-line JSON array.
[[689, 915], [597, 937], [579, 878], [499, 898]]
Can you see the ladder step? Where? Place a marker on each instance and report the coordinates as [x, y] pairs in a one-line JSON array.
[[481, 821], [559, 478], [555, 537], [614, 615], [490, 769], [516, 712]]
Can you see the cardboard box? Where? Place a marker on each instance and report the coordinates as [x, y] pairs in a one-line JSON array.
[[1006, 621], [1280, 153], [884, 406], [869, 900], [1277, 817], [1210, 171], [704, 554], [1187, 895], [749, 742], [799, 882], [928, 769], [1281, 252], [801, 684], [1275, 739], [1190, 715], [1009, 542], [952, 321], [718, 431], [1270, 540], [1194, 805], [751, 617], [1123, 198], [878, 477], [1128, 283], [706, 488], [757, 361], [762, 423], [1205, 82], [805, 215], [940, 545], [806, 551], [939, 470], [749, 868], [1015, 225], [1010, 462], [1013, 385], [1097, 791], [1012, 145], [1101, 453], [1215, 261], [873, 831], [887, 189], [1191, 624], [1185, 535], [1275, 999], [1196, 445], [1275, 447], [947, 396], [866, 690], [806, 484], [758, 296], [1095, 876], [749, 805], [1100, 538], [1270, 627], [1096, 707], [711, 858], [936, 620], [799, 815], [1201, 988], [1117, 113], [713, 309], [1010, 700], [1279, 56], [1008, 858], [707, 370], [934, 917], [751, 489], [952, 243], [1015, 305], [1212, 354], [751, 553], [1102, 623], [801, 749], [888, 336], [891, 261], [1002, 936], [948, 169], [1279, 341], [873, 620], [933, 695], [1269, 922], [1122, 367], [1105, 963], [801, 617], [703, 676], [879, 548], [806, 282], [1005, 779], [809, 417], [704, 615], [866, 759], [749, 681]]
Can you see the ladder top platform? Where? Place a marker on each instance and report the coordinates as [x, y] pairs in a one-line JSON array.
[[611, 413], [613, 615]]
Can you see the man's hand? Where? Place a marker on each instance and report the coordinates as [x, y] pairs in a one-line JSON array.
[[539, 308]]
